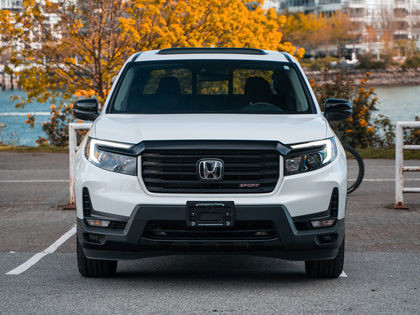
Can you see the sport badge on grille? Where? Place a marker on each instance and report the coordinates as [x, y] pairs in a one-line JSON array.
[[210, 169]]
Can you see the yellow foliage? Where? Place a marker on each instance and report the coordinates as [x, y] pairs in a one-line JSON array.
[[97, 38], [363, 123], [161, 24], [312, 30]]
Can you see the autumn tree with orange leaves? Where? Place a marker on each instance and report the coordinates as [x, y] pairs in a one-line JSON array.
[[85, 50], [203, 23], [312, 31], [80, 54]]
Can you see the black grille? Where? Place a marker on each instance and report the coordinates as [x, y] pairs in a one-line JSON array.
[[245, 170], [177, 230]]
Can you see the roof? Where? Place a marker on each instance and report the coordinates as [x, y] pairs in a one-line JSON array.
[[212, 54]]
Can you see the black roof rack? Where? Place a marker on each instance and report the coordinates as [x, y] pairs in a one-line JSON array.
[[206, 50]]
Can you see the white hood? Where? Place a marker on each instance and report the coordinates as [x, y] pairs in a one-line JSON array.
[[135, 128]]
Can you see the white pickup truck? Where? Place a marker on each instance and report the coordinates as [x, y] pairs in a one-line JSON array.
[[211, 150]]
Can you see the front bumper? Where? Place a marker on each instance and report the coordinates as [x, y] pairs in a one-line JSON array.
[[132, 241]]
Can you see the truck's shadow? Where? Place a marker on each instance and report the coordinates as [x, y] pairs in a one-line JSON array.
[[190, 269]]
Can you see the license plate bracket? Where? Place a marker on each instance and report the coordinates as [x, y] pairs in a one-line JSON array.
[[210, 214]]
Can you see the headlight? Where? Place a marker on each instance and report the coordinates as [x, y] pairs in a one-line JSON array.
[[310, 156], [110, 161]]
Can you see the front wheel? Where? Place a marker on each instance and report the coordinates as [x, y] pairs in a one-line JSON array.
[[94, 267], [331, 268]]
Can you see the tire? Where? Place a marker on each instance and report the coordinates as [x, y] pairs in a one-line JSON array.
[[361, 165], [94, 267], [331, 268]]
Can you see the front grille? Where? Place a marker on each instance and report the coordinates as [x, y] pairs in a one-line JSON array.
[[245, 170], [177, 230]]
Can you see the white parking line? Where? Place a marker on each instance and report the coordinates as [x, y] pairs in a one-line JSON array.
[[35, 258], [53, 247]]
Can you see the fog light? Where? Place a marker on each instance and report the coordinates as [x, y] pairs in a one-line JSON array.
[[322, 223], [98, 223]]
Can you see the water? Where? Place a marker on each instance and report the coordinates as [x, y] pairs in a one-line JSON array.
[[398, 103], [16, 131]]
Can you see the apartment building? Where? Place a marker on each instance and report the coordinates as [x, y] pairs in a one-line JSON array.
[[401, 18], [11, 5]]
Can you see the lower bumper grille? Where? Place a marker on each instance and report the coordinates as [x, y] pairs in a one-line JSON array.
[[117, 225], [177, 230]]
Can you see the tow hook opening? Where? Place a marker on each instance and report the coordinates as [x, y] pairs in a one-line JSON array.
[[327, 239]]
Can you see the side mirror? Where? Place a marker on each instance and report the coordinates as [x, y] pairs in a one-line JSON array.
[[336, 109], [86, 109]]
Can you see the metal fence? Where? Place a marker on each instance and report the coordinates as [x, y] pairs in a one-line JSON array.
[[399, 163], [73, 127]]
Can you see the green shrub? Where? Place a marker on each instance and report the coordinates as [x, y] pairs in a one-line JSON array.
[[369, 62], [319, 64], [56, 128], [360, 130], [412, 62]]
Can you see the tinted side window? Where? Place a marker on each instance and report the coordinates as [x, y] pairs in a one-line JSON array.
[[120, 103]]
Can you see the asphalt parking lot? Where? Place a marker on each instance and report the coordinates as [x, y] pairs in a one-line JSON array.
[[382, 259]]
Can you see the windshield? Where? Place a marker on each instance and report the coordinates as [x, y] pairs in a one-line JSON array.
[[217, 86]]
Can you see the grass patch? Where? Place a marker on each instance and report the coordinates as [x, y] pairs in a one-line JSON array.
[[41, 149], [375, 153]]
